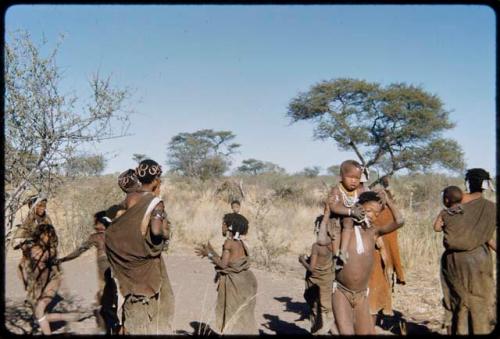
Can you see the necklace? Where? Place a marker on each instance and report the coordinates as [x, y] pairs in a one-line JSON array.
[[347, 200]]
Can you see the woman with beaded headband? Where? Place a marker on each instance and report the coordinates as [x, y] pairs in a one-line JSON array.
[[134, 245]]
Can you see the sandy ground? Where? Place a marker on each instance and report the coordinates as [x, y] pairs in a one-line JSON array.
[[280, 305]]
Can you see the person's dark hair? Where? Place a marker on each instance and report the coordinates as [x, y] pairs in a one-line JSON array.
[[237, 202], [128, 181], [367, 197], [49, 230], [236, 223], [147, 171], [344, 166], [475, 177], [452, 195], [102, 218]]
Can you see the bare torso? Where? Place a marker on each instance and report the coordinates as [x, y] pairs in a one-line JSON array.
[[356, 271]]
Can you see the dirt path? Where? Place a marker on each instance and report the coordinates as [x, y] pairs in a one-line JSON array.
[[280, 305]]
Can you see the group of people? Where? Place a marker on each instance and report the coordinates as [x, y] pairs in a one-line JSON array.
[[135, 295], [347, 273], [348, 277]]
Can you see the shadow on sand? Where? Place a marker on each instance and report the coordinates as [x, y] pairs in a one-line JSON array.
[[399, 325], [279, 326], [199, 329]]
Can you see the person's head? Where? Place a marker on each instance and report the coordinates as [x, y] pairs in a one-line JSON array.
[[149, 172], [477, 180], [235, 206], [128, 181], [236, 224], [371, 204], [45, 235], [452, 195], [38, 204], [350, 174], [101, 221]]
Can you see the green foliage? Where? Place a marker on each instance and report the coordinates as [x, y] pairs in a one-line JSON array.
[[395, 127], [203, 154], [255, 167], [85, 165]]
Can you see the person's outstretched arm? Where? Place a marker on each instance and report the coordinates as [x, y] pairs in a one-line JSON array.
[[76, 253]]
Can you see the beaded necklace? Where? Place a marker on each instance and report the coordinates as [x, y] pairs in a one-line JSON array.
[[349, 201]]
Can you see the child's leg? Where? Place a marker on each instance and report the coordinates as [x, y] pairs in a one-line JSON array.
[[40, 316], [363, 320], [343, 313]]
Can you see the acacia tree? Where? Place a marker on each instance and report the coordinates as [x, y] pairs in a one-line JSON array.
[[85, 165], [44, 127], [203, 154], [254, 167], [395, 127]]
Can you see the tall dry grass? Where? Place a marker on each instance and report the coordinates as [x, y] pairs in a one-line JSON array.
[[281, 210]]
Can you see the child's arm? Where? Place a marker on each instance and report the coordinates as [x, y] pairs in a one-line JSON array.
[[336, 205], [323, 238], [313, 259], [394, 225], [438, 223]]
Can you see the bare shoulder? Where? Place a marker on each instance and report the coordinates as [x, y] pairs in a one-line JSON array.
[[229, 244]]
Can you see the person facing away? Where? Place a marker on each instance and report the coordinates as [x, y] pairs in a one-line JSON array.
[[134, 244], [318, 284], [466, 264], [237, 286], [350, 291], [228, 217], [106, 316], [45, 278], [341, 204]]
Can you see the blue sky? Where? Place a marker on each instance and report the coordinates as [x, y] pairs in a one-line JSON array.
[[237, 67]]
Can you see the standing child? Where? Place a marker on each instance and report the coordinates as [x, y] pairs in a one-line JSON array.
[[237, 286], [23, 237], [45, 280], [319, 278], [342, 203]]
